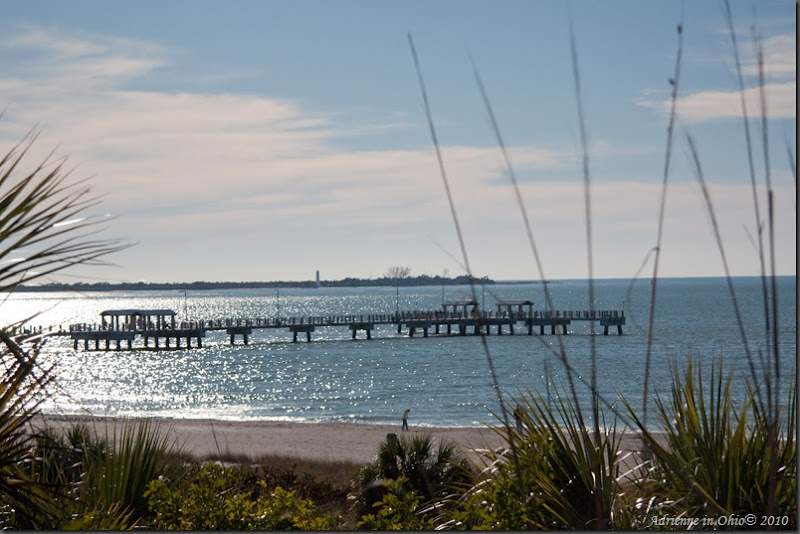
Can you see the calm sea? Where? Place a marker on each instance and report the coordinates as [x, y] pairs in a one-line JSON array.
[[444, 380]]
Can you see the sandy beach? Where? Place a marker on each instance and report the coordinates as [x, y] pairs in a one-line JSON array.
[[205, 438], [211, 439]]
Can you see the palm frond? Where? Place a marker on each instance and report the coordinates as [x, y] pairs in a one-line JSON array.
[[44, 225]]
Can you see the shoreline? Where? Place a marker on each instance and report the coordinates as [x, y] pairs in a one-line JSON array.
[[209, 439]]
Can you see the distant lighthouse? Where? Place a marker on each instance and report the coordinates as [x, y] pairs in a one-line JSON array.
[[318, 283]]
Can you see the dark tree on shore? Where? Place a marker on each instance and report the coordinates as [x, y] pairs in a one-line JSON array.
[[397, 273]]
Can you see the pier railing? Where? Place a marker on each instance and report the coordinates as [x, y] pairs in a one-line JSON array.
[[347, 319]]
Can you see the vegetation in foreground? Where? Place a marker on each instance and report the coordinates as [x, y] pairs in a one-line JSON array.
[[709, 468]]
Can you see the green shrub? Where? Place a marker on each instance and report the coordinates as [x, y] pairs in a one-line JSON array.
[[397, 510], [217, 498]]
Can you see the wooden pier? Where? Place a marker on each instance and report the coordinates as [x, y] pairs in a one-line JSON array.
[[118, 326], [119, 329]]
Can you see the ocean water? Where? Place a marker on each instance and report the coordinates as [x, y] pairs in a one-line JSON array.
[[444, 380]]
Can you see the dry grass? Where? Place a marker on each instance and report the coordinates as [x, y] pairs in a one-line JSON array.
[[336, 473]]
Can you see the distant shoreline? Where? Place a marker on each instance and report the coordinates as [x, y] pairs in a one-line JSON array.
[[414, 281], [309, 284]]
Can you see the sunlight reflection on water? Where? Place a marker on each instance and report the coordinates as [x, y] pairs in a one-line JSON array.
[[444, 380]]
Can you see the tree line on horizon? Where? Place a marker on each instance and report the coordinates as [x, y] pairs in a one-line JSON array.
[[421, 280]]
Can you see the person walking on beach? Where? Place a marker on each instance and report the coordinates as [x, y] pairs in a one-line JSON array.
[[519, 413], [405, 419]]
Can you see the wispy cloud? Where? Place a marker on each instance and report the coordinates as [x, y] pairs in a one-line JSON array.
[[780, 57], [82, 60], [780, 68], [265, 159], [723, 105], [244, 174]]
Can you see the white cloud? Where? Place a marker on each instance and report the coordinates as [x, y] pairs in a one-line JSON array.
[[244, 176], [715, 105], [779, 57], [780, 68], [178, 163], [77, 61]]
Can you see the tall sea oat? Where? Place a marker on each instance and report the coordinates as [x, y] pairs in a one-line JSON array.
[[454, 214], [674, 82]]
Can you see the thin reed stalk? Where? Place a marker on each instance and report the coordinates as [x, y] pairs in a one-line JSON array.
[[675, 83], [593, 457], [454, 215], [771, 364], [753, 184], [790, 156], [562, 353], [718, 239], [774, 413]]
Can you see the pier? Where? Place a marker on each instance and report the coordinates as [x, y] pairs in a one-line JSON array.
[[120, 329]]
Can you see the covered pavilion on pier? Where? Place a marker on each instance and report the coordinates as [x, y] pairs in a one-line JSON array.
[[509, 304], [138, 320], [464, 304]]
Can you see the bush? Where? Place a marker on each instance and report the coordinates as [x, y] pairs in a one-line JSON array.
[[397, 510], [218, 498], [507, 495], [431, 472]]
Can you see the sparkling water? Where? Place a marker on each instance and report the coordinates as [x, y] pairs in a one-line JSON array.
[[444, 380]]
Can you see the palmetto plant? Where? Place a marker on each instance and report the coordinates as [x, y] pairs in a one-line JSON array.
[[137, 453], [44, 229], [715, 459], [97, 481], [23, 500], [428, 469], [44, 225], [548, 479]]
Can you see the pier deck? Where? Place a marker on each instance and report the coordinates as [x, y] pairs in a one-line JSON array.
[[119, 329]]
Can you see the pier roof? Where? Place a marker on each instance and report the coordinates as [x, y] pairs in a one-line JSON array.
[[513, 302], [144, 313], [461, 302]]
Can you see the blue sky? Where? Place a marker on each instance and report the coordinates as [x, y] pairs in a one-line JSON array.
[[264, 140]]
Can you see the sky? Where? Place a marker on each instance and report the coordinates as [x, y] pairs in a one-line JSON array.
[[266, 140]]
